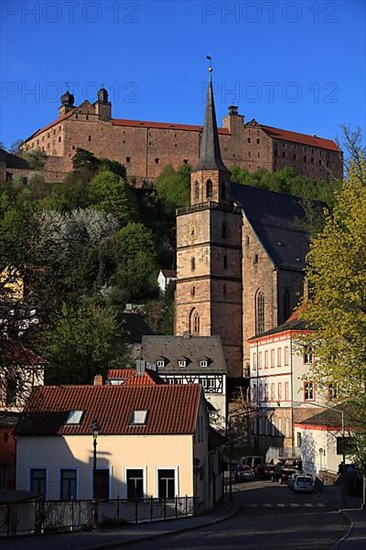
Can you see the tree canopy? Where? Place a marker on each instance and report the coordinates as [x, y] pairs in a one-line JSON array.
[[336, 306]]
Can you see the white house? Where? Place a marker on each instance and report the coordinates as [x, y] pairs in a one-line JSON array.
[[281, 388], [152, 442], [165, 277]]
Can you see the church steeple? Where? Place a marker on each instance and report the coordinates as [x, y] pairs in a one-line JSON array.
[[210, 155]]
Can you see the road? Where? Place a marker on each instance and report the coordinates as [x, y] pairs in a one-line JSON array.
[[270, 517]]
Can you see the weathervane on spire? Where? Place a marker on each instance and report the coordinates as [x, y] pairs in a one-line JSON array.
[[210, 60]]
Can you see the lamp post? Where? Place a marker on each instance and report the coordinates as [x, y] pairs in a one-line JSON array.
[[95, 431], [341, 411]]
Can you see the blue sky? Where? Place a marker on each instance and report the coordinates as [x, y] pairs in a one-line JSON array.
[[296, 65]]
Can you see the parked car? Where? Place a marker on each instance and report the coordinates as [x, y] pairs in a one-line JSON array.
[[303, 484], [285, 474], [291, 479], [253, 461], [265, 471], [244, 473]]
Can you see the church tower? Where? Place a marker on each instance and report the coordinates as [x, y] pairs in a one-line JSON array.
[[209, 251]]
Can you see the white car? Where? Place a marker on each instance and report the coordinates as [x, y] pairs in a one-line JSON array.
[[291, 479], [303, 484]]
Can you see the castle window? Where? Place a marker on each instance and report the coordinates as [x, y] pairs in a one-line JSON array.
[[196, 190], [73, 147], [225, 262], [283, 154], [249, 140], [312, 160], [223, 190], [294, 156], [89, 138], [255, 259], [258, 141], [128, 159], [157, 161], [193, 264], [193, 290], [259, 155], [185, 161], [76, 116], [304, 158], [208, 188], [259, 312], [224, 289], [86, 117], [59, 139], [223, 230]]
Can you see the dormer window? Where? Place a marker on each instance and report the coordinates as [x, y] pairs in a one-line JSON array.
[[203, 363], [138, 418], [160, 363], [182, 363], [74, 417]]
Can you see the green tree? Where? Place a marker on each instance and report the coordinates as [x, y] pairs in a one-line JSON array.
[[112, 194], [85, 161], [82, 341], [36, 159], [336, 307], [134, 252], [173, 187]]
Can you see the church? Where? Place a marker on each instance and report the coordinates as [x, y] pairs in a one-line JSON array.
[[240, 255]]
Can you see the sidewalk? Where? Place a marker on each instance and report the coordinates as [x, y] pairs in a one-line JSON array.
[[125, 535], [355, 538]]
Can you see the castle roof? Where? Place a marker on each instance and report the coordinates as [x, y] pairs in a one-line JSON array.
[[210, 155], [311, 141], [277, 220]]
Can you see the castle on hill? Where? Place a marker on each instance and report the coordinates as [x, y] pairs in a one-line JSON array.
[[145, 148]]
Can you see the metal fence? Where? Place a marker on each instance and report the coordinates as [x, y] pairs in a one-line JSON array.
[[38, 517]]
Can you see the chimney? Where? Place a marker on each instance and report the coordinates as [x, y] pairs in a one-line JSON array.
[[98, 380], [140, 366]]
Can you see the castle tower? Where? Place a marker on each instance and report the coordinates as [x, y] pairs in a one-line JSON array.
[[67, 103], [103, 107], [209, 281]]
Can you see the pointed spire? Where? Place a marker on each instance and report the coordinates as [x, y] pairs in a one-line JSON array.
[[210, 156]]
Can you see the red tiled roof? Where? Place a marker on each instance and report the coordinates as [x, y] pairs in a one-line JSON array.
[[312, 141], [14, 352], [162, 125], [172, 409], [130, 377]]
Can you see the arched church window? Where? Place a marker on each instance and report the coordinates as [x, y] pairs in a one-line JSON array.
[[259, 312], [194, 322], [196, 190], [208, 188], [223, 190], [193, 263], [224, 230]]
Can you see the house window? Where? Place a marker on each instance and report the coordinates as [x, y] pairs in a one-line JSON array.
[[68, 484], [38, 480], [266, 395], [138, 417], [182, 363], [286, 356], [273, 392], [332, 391], [266, 358], [193, 264], [308, 391], [287, 427], [287, 391], [135, 483], [203, 363], [74, 417], [259, 312], [102, 483], [279, 357], [160, 363], [298, 439], [279, 391], [254, 361], [308, 355], [166, 483], [254, 392], [208, 189], [272, 358], [260, 359]]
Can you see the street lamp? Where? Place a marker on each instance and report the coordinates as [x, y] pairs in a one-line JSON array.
[[341, 411], [95, 428]]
